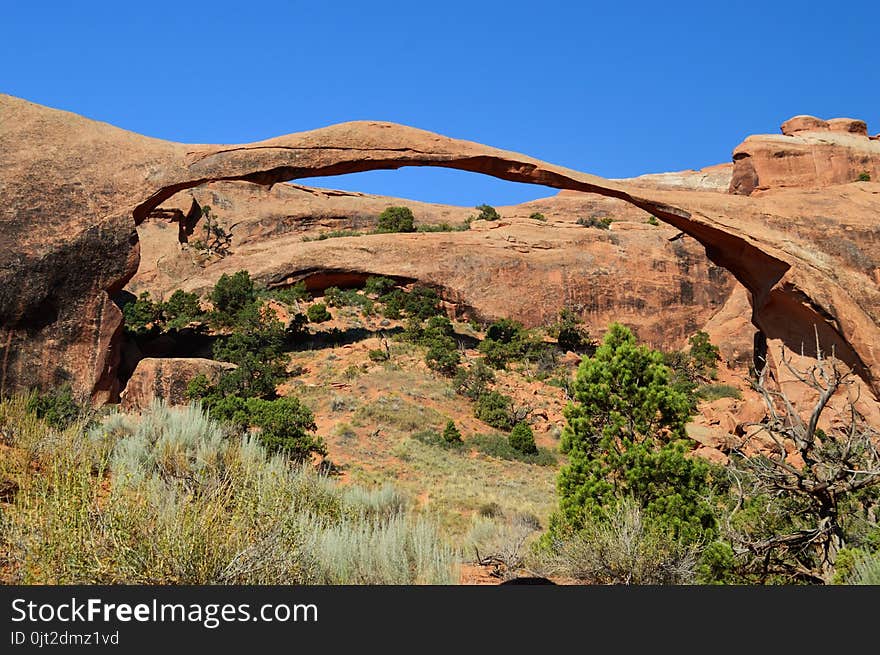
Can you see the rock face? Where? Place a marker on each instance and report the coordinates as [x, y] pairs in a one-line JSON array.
[[518, 267], [74, 190], [810, 152], [167, 379]]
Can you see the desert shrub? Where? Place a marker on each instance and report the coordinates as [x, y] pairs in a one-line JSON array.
[[333, 234], [704, 353], [498, 445], [622, 546], [378, 355], [523, 439], [215, 238], [142, 315], [451, 433], [396, 219], [422, 302], [602, 223], [181, 309], [443, 227], [230, 295], [864, 176], [487, 213], [257, 348], [865, 570], [392, 304], [318, 313], [473, 382], [495, 409], [538, 216], [57, 407], [716, 391], [652, 220], [570, 334], [442, 353], [289, 295], [506, 341], [345, 431], [378, 286], [190, 502]]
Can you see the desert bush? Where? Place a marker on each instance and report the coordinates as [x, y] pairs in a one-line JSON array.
[[378, 355], [716, 391], [378, 286], [864, 176], [451, 433], [181, 309], [522, 439], [486, 213], [56, 407], [622, 546], [396, 219], [538, 216], [602, 223], [473, 382], [142, 316], [495, 409], [190, 502], [498, 445], [318, 313], [289, 295], [257, 347], [230, 295]]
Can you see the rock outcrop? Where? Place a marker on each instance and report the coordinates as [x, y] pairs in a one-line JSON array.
[[167, 379], [809, 153], [518, 267], [74, 189]]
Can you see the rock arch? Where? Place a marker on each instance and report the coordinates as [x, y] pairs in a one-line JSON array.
[[71, 215]]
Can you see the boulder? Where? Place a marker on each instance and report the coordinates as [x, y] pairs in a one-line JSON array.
[[167, 379]]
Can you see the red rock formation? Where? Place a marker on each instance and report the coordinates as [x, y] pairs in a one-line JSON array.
[[75, 188], [167, 379], [519, 267], [809, 153]]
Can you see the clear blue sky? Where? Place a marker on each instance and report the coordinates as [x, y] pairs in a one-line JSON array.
[[612, 88]]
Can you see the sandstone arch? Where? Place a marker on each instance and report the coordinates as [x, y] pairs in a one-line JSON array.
[[76, 188]]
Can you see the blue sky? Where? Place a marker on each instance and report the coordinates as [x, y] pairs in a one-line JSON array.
[[612, 88]]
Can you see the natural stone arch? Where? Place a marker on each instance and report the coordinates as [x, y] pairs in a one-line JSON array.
[[119, 177]]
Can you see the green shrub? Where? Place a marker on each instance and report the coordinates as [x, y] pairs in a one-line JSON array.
[[181, 309], [442, 355], [396, 219], [522, 439], [443, 227], [142, 315], [334, 234], [230, 295], [378, 355], [506, 341], [378, 286], [257, 348], [286, 426], [422, 302], [704, 353], [392, 304], [289, 295], [318, 313], [602, 223], [474, 381], [487, 213], [57, 407], [498, 445], [495, 409], [864, 176], [538, 216], [451, 435], [715, 391], [652, 220], [570, 335], [622, 545]]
